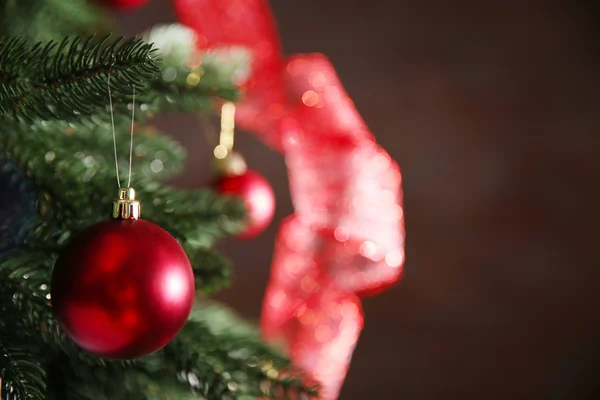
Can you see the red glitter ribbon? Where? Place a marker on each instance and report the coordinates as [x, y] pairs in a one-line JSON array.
[[346, 237]]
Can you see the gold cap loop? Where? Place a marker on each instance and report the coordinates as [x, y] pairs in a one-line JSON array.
[[126, 206]]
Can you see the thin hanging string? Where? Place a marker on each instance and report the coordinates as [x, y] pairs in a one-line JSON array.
[[131, 136], [112, 124]]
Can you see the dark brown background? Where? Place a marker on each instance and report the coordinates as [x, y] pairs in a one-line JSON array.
[[492, 110]]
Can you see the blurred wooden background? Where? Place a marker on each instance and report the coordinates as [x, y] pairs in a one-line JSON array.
[[492, 110]]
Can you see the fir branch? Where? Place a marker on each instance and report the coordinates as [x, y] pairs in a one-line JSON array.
[[217, 362], [283, 380], [191, 80], [224, 363], [41, 145], [22, 375], [197, 218], [69, 79], [44, 20], [113, 381], [13, 57], [25, 278], [179, 96], [212, 270]]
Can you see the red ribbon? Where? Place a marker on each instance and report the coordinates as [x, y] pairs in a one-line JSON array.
[[346, 237]]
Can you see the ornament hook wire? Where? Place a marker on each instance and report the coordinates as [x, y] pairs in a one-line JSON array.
[[131, 136], [112, 125]]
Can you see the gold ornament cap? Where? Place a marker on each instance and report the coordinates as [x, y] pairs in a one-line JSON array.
[[126, 206], [233, 164]]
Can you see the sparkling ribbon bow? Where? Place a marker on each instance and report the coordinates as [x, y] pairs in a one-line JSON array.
[[346, 238]]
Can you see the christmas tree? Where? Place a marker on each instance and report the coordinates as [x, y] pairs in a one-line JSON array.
[[58, 65]]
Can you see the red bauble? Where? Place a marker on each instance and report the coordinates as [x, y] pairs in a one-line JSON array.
[[123, 288], [258, 196], [124, 4]]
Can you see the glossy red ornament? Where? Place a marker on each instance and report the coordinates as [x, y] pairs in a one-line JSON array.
[[123, 4], [123, 288], [258, 196]]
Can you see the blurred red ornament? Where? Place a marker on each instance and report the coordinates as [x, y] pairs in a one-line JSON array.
[[124, 4], [257, 195], [122, 288]]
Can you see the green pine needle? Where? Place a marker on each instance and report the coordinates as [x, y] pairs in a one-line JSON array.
[[44, 20], [68, 79], [21, 374], [21, 377]]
